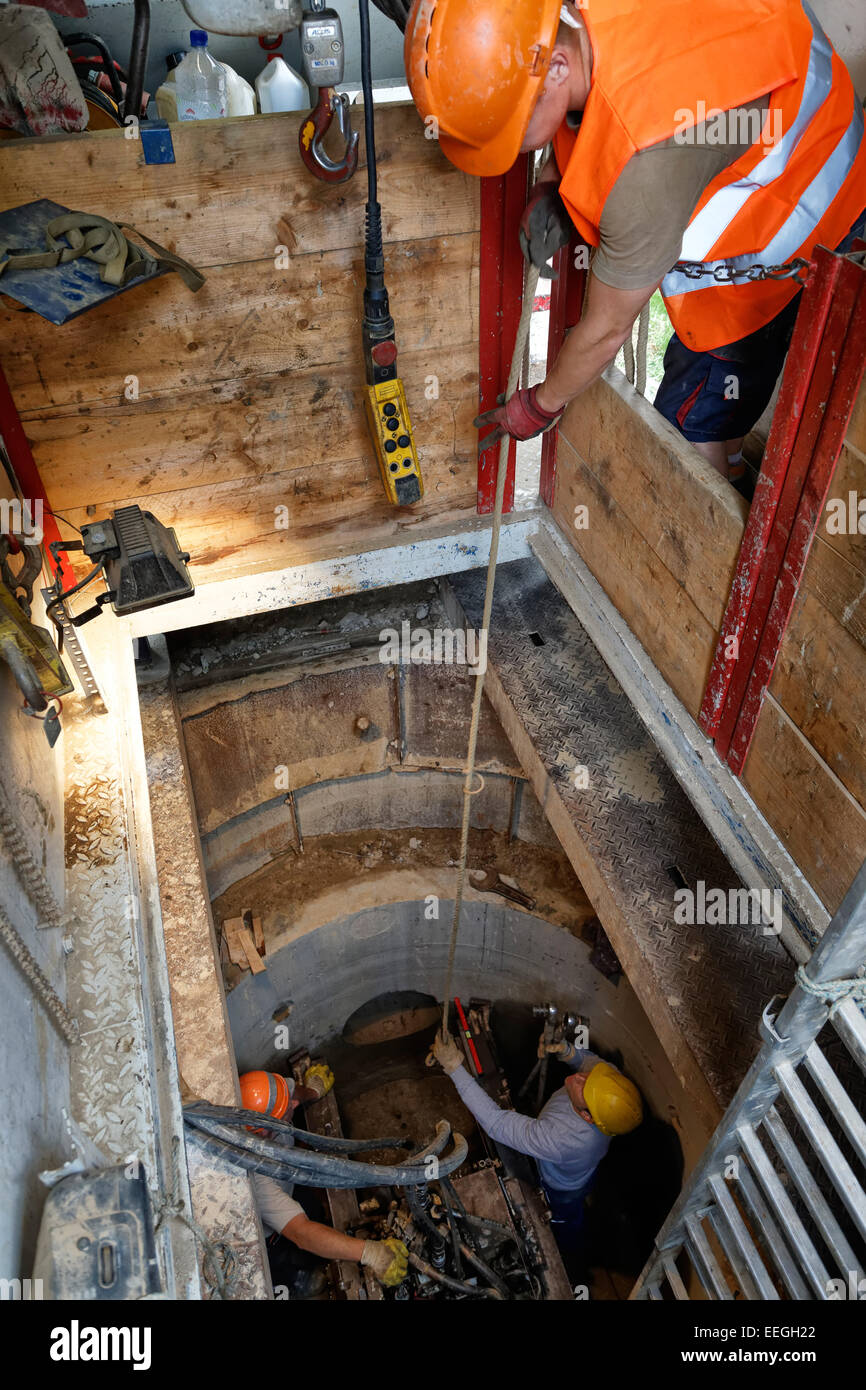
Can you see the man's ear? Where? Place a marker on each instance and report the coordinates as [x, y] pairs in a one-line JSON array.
[[559, 68]]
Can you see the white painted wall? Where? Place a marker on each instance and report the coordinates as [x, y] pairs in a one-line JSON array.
[[34, 1074], [844, 21]]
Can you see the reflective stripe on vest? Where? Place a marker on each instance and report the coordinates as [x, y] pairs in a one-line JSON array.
[[710, 223]]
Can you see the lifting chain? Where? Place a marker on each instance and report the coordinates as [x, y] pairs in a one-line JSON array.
[[726, 274]]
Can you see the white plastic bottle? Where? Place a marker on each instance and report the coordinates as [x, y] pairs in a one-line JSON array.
[[280, 88], [240, 97], [166, 95], [201, 82]]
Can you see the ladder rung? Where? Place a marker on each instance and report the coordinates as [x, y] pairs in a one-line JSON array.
[[745, 1282], [774, 1241], [838, 1098], [706, 1265], [838, 1168], [783, 1207], [812, 1195], [742, 1239], [675, 1279], [851, 1027]]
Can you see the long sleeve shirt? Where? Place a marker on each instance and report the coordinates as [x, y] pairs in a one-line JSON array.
[[567, 1148]]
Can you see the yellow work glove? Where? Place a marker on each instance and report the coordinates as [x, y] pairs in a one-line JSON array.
[[319, 1078], [388, 1259], [447, 1053]]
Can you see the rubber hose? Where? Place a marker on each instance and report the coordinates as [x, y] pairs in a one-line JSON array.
[[456, 1285], [361, 1174], [484, 1269], [298, 1157], [320, 1170], [326, 1143]]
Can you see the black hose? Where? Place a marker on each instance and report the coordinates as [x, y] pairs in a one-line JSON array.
[[325, 1143], [137, 59], [455, 1285], [397, 10], [484, 1269], [313, 1162], [369, 125], [321, 1170], [77, 40]]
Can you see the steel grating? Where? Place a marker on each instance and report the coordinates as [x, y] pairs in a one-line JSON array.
[[634, 820]]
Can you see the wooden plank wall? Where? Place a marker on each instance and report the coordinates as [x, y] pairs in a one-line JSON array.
[[250, 392], [662, 538], [663, 529], [807, 764]]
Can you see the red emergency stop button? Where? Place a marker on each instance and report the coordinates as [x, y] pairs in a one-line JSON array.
[[383, 354]]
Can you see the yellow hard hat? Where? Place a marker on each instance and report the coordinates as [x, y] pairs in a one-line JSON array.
[[612, 1100]]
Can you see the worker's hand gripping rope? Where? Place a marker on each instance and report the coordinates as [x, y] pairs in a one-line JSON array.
[[447, 1053], [520, 416]]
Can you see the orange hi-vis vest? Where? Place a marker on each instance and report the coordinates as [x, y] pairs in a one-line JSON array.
[[660, 67]]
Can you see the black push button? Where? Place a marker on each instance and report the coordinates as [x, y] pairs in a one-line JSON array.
[[390, 446], [392, 424], [394, 466], [404, 441], [390, 408]]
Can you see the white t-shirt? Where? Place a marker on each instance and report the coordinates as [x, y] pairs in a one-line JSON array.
[[276, 1205]]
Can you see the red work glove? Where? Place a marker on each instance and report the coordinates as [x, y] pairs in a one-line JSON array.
[[521, 416], [544, 227]]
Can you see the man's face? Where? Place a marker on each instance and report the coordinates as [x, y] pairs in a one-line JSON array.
[[574, 1085], [565, 89]]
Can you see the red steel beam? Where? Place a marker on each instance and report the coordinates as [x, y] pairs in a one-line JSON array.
[[727, 679], [24, 464], [501, 295], [819, 386], [847, 376]]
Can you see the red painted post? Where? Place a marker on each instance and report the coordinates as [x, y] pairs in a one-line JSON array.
[[24, 464], [787, 418], [849, 361], [501, 295]]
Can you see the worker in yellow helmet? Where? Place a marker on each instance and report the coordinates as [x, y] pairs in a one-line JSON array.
[[569, 1138], [288, 1229], [726, 137]]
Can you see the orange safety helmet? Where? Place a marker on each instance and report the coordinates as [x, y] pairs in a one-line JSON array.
[[267, 1092], [478, 69]]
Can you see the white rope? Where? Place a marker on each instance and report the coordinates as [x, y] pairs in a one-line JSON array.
[[501, 473]]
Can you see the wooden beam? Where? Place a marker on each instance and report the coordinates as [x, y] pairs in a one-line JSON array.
[[819, 821]]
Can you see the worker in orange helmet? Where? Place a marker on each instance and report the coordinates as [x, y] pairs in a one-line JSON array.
[[728, 141], [287, 1227]]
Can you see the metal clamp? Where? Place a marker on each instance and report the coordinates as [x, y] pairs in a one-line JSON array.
[[316, 127]]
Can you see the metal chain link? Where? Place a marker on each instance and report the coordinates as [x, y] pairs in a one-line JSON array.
[[726, 274]]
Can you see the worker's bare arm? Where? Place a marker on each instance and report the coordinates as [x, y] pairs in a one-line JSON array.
[[593, 343], [322, 1240]]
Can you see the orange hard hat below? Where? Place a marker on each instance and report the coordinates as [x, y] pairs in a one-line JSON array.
[[267, 1092], [478, 70]]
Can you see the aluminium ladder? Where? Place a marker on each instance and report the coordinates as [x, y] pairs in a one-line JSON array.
[[754, 1220]]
